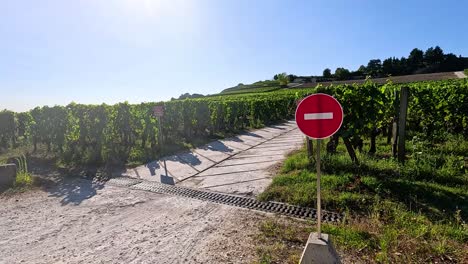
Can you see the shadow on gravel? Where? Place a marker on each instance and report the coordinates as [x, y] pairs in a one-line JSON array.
[[277, 127], [234, 139], [74, 191], [186, 158], [217, 146], [252, 134], [153, 166]]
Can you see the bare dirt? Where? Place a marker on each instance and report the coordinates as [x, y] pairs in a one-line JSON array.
[[82, 222]]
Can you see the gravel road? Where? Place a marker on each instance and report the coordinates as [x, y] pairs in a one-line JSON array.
[[78, 221], [81, 222]]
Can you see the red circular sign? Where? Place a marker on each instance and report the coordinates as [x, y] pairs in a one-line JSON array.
[[319, 116]]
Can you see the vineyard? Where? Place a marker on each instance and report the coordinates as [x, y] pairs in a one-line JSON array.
[[123, 133], [261, 86]]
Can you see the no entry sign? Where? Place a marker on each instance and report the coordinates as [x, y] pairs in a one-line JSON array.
[[158, 110], [319, 116]]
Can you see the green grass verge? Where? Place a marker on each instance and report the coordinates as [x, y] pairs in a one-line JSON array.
[[414, 212], [23, 177], [466, 72], [24, 180]]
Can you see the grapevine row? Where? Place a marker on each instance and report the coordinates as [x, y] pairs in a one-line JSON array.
[[121, 133]]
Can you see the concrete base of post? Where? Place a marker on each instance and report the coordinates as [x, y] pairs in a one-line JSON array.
[[7, 176], [320, 251]]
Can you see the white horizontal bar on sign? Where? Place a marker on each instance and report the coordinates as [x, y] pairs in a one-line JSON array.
[[318, 116]]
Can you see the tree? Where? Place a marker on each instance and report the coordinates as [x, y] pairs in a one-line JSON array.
[[327, 73], [187, 95], [22, 126], [374, 67], [434, 56], [342, 74], [452, 63], [291, 77], [7, 128], [362, 69], [394, 66], [282, 78], [403, 66], [415, 60], [388, 66]]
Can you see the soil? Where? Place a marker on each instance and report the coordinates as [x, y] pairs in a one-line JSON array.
[[78, 221]]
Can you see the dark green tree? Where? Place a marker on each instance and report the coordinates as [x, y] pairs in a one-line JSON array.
[[434, 56], [327, 73], [7, 129], [389, 67], [362, 69], [374, 67], [292, 77], [415, 60], [342, 74], [283, 79]]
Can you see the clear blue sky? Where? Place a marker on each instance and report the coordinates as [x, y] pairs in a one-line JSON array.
[[94, 51]]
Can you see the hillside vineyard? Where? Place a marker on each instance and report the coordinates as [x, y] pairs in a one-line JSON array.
[[98, 134]]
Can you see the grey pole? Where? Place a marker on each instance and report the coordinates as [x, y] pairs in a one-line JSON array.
[[161, 137], [319, 208]]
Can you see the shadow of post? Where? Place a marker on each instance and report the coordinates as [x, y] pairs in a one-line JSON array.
[[167, 180], [74, 191]]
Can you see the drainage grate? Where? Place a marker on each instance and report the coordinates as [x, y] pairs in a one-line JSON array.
[[244, 202], [124, 181]]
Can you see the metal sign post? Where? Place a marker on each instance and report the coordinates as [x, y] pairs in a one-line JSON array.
[[162, 144], [158, 111], [319, 116], [319, 204]]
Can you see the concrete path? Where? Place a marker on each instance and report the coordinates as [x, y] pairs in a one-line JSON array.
[[237, 165], [460, 74]]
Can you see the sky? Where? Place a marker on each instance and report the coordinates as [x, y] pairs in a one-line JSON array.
[[109, 51]]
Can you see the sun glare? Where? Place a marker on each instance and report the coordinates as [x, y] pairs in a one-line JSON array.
[[157, 8]]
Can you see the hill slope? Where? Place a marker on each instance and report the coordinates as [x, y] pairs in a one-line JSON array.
[[268, 85], [395, 79], [261, 86]]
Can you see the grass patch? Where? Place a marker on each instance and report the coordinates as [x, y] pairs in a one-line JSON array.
[[23, 177], [280, 242], [415, 212]]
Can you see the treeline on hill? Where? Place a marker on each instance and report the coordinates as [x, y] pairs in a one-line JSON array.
[[431, 61], [122, 133], [188, 95]]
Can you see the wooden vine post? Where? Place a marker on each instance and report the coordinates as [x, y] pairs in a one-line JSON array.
[[402, 123], [399, 125]]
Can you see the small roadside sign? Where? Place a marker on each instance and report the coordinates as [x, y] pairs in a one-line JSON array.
[[319, 116], [158, 110]]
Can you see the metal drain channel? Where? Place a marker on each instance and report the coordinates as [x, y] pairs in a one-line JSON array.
[[244, 202]]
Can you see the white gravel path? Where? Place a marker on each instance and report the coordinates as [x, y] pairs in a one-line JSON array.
[[78, 221]]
